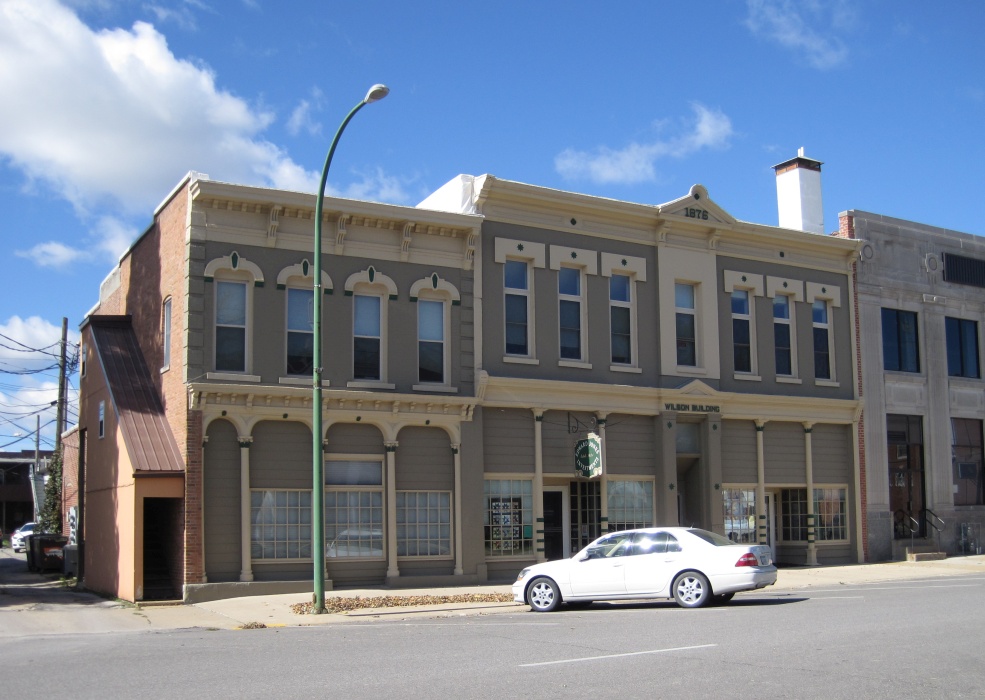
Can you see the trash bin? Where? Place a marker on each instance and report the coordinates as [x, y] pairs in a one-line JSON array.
[[70, 564], [44, 552]]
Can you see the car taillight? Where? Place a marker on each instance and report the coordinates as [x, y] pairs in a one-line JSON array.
[[747, 559]]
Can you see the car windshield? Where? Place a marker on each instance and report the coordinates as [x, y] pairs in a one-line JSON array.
[[712, 538]]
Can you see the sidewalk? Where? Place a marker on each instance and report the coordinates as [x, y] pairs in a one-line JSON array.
[[32, 604], [275, 610]]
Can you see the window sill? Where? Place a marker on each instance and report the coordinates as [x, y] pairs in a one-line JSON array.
[[164, 369], [826, 382], [233, 377], [510, 359], [301, 381], [747, 377], [364, 384], [436, 388], [262, 562], [574, 363], [789, 380], [697, 371], [629, 369]]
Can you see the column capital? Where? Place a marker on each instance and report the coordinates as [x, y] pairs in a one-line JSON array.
[[391, 446], [760, 424], [455, 446], [245, 441], [808, 426]]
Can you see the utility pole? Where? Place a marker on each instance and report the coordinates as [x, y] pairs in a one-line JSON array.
[[60, 411]]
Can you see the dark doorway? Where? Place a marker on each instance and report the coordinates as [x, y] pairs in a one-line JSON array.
[[553, 525], [906, 475], [162, 548], [586, 513]]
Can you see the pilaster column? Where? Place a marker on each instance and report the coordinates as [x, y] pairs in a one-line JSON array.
[[604, 486], [246, 554], [456, 454], [761, 534], [538, 504], [392, 570], [809, 461]]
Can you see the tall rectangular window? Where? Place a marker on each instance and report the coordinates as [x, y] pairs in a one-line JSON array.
[[899, 341], [830, 514], [431, 341], [166, 334], [783, 336], [684, 303], [517, 307], [822, 340], [962, 347], [280, 524], [621, 319], [230, 326], [366, 337], [354, 508], [569, 313], [966, 457], [793, 515], [740, 515], [300, 331], [630, 504], [741, 331]]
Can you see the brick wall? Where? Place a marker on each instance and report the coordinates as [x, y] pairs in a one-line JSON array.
[[70, 475]]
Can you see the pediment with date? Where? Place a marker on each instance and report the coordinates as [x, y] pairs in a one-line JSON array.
[[697, 207]]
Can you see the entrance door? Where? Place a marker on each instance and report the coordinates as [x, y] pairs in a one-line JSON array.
[[554, 516], [586, 513], [906, 475]]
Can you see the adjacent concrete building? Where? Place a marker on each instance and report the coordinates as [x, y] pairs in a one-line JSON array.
[[921, 294]]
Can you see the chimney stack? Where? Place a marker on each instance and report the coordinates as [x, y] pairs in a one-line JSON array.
[[798, 194]]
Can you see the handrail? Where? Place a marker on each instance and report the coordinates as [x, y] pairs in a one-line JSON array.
[[931, 518]]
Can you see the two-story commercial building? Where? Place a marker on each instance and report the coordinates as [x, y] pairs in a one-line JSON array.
[[705, 366]]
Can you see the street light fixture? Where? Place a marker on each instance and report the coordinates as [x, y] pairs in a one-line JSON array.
[[376, 93]]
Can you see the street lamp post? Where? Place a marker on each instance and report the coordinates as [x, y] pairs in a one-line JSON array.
[[377, 92]]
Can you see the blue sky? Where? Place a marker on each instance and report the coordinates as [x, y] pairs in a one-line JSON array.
[[108, 103]]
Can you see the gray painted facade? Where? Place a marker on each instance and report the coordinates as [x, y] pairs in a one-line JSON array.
[[902, 269]]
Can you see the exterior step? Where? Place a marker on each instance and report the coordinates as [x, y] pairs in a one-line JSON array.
[[924, 554]]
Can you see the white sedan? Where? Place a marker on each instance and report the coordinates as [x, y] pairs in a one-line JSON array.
[[692, 566]]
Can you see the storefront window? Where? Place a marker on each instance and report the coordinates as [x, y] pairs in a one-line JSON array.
[[280, 524], [508, 517], [740, 515], [423, 524], [630, 504], [354, 508], [966, 458]]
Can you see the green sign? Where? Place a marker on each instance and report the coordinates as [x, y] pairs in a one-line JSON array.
[[588, 457]]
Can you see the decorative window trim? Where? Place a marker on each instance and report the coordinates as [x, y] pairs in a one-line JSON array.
[[303, 271], [435, 284], [235, 263], [745, 281], [623, 263], [789, 287], [828, 292], [371, 277], [505, 248], [563, 256]]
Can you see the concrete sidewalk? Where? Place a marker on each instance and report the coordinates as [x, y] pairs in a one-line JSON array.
[[275, 610], [31, 604]]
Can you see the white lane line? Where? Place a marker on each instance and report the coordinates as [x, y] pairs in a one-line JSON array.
[[616, 656], [802, 592]]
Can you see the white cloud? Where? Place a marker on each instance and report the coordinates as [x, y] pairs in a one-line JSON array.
[[31, 340], [301, 120], [377, 186], [636, 162], [112, 117], [807, 27], [107, 241]]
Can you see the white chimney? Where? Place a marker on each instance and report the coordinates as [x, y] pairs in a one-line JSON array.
[[798, 194]]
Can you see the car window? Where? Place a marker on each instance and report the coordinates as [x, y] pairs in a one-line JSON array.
[[655, 543], [712, 538], [616, 545]]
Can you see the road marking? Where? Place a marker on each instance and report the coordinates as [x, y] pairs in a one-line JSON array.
[[616, 656], [802, 592]]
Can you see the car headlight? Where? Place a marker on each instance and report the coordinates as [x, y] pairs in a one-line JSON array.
[[522, 574]]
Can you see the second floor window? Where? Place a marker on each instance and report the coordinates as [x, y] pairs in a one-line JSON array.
[[782, 337], [569, 313], [431, 341], [230, 326], [686, 325], [366, 337], [741, 331], [822, 339], [517, 303], [962, 347], [621, 319], [899, 341], [300, 331], [166, 334]]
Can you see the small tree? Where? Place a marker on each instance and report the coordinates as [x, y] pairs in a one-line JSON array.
[[50, 518]]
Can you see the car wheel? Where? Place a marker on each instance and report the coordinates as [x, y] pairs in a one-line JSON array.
[[691, 590], [543, 595]]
